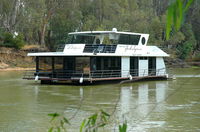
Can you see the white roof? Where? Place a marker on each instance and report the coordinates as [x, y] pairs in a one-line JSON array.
[[106, 32], [121, 50]]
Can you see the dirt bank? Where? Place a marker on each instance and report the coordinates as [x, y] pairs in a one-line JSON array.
[[17, 69], [12, 59]]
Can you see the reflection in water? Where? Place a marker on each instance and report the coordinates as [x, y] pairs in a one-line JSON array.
[[160, 91], [125, 99], [138, 106], [81, 93], [36, 90], [143, 95]]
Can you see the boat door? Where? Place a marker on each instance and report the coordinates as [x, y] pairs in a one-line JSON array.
[[143, 66]]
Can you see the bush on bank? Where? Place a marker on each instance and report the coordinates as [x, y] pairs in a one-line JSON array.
[[12, 41]]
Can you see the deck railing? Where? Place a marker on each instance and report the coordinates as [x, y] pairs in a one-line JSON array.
[[60, 48], [67, 74], [99, 48]]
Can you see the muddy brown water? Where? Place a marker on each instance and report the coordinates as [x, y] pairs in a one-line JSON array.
[[147, 106]]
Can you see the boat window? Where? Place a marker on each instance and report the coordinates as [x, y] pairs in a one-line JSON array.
[[58, 63], [97, 41], [143, 58], [129, 39], [83, 64], [81, 39], [108, 63], [45, 63], [107, 40], [143, 40]]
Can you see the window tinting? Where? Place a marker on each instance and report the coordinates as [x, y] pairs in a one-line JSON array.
[[78, 39], [143, 40], [129, 39], [143, 58], [45, 63]]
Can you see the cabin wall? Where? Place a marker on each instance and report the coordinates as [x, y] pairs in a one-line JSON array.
[[143, 66], [160, 66], [125, 66]]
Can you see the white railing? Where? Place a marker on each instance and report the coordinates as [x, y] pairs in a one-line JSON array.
[[67, 74]]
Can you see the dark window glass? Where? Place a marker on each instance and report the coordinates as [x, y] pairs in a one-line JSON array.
[[143, 58], [79, 39], [45, 63], [108, 63], [129, 39], [134, 66], [143, 40], [134, 39], [124, 39], [152, 66], [58, 63], [69, 63]]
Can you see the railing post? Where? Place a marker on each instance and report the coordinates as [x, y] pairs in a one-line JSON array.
[[144, 73]]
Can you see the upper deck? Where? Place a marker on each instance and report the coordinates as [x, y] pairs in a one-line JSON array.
[[108, 37], [106, 43]]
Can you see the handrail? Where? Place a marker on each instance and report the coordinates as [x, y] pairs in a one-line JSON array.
[[100, 48], [95, 73]]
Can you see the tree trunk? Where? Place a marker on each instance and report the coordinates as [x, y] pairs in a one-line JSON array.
[[42, 34], [14, 15]]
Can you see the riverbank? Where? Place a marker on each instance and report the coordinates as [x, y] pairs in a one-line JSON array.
[[12, 59], [17, 60], [16, 69]]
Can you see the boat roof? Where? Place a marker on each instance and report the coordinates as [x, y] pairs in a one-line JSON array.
[[106, 32]]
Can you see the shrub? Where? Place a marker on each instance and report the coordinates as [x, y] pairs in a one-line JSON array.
[[185, 49], [12, 41]]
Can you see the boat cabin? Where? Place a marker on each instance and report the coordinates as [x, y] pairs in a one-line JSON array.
[[93, 56]]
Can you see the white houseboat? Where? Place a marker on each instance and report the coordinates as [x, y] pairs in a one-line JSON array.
[[94, 56]]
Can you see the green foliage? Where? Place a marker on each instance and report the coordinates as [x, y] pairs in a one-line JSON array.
[[123, 127], [9, 40], [94, 122], [91, 124], [157, 28], [176, 39], [58, 123], [175, 14], [185, 49], [162, 19]]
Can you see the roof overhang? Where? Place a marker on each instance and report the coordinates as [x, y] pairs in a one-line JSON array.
[[105, 32]]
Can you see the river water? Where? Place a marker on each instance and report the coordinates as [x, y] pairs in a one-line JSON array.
[[149, 106]]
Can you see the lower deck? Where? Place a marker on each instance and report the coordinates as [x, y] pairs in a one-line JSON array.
[[99, 68], [90, 79]]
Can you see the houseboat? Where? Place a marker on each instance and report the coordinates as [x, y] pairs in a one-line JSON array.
[[96, 56]]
